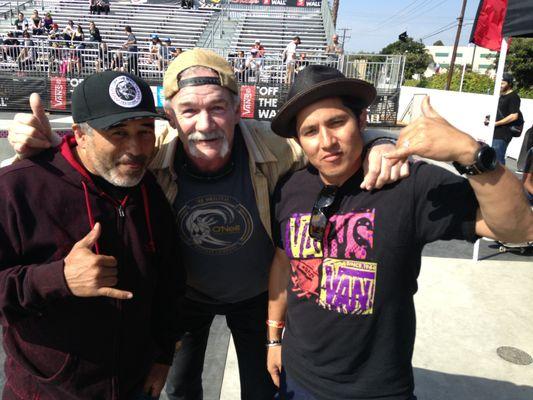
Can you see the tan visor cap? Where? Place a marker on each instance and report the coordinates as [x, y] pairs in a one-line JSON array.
[[198, 58]]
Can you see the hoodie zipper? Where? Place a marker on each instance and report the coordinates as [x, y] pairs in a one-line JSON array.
[[120, 229]]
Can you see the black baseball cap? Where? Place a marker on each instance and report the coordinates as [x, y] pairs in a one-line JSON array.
[[110, 97]]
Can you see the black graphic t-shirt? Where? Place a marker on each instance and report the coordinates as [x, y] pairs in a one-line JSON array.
[[351, 319], [226, 249]]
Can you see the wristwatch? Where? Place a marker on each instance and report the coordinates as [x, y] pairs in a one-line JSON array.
[[485, 160]]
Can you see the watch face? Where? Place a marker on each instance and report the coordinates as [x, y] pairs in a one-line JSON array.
[[486, 158]]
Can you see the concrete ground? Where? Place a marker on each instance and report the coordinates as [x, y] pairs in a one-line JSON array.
[[466, 311]]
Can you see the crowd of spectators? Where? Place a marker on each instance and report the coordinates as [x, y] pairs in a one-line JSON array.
[[65, 45]]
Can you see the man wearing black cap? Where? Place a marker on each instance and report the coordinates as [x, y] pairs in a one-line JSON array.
[[89, 268], [345, 269], [507, 118]]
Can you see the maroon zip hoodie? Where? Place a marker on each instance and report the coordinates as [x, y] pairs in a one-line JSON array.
[[59, 346]]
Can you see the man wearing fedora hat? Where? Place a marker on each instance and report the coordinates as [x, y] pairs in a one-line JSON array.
[[218, 174], [89, 272], [345, 269]]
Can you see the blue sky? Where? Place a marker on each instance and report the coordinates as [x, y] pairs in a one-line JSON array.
[[376, 23]]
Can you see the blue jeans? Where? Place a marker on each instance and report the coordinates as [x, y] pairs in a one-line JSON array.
[[500, 145], [246, 320], [289, 389]]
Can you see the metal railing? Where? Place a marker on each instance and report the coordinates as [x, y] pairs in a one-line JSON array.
[[54, 57], [9, 9]]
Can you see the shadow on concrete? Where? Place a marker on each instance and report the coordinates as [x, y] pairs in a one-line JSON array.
[[434, 385]]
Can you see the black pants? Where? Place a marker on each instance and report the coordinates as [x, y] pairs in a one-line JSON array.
[[246, 320]]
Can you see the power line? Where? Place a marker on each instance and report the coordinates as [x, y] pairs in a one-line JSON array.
[[440, 29], [425, 11], [379, 25]]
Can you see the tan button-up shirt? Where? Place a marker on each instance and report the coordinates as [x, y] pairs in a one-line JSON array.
[[270, 156]]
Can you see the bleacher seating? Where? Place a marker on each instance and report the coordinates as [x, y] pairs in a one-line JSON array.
[[183, 27], [277, 28]]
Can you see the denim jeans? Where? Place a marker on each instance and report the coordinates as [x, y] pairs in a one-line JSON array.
[[500, 145], [246, 321], [289, 389]]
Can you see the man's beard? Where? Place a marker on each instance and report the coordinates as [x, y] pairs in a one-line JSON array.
[[197, 136], [108, 169]]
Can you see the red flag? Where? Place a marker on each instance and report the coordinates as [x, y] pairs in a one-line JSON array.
[[487, 30]]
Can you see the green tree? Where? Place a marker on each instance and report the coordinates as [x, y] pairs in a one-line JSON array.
[[416, 57], [438, 43], [520, 62], [472, 83]]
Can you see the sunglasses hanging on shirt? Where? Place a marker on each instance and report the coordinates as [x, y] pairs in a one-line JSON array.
[[322, 211]]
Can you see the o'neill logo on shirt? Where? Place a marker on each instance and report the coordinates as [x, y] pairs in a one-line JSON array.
[[215, 224], [247, 101], [58, 93]]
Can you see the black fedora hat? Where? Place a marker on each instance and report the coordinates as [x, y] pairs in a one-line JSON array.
[[314, 83]]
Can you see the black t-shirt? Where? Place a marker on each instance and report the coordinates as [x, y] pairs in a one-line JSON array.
[[226, 249], [508, 104], [350, 324]]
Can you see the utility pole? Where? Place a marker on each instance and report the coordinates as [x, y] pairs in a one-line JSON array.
[[457, 37], [335, 11], [344, 36]]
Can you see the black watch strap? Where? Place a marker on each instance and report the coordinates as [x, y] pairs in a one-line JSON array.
[[485, 160]]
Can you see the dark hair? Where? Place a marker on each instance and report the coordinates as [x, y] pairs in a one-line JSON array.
[[507, 77], [127, 28], [353, 105]]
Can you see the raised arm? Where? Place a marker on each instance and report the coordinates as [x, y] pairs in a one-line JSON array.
[[504, 212]]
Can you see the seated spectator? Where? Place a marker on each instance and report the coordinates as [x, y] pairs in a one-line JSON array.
[[36, 23], [301, 62], [94, 33], [259, 49], [186, 4], [28, 54], [10, 49], [168, 53], [68, 31], [20, 24], [93, 7], [77, 43], [55, 33], [26, 28], [102, 7], [48, 21], [335, 49], [154, 48], [77, 37]]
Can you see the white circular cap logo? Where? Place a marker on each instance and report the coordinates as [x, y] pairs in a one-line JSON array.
[[125, 92]]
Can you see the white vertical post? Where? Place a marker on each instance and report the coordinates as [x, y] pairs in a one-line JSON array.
[[494, 110], [462, 77]]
